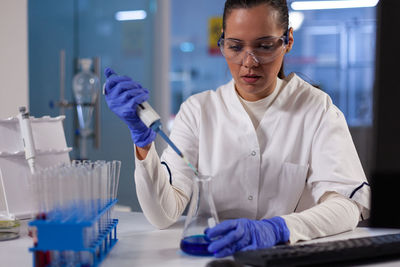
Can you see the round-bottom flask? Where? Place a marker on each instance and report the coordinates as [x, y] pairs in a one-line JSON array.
[[201, 214]]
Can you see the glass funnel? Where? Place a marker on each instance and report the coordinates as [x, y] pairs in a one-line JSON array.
[[201, 214]]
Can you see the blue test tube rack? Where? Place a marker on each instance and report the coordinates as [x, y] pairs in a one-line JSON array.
[[69, 236]]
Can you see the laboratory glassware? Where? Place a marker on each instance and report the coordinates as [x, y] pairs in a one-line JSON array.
[[201, 215], [86, 87]]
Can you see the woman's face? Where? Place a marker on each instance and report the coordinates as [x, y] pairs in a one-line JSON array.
[[253, 80]]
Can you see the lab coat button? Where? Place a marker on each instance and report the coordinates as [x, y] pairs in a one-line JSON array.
[[250, 197], [253, 153]]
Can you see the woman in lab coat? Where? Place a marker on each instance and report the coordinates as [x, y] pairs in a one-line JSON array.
[[283, 163]]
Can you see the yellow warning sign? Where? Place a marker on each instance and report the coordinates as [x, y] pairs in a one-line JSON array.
[[214, 33]]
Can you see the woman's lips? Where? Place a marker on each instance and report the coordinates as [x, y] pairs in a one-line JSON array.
[[251, 78]]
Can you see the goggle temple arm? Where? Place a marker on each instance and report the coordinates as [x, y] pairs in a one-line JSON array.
[[286, 34], [220, 38]]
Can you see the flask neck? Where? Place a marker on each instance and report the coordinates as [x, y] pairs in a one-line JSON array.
[[85, 64]]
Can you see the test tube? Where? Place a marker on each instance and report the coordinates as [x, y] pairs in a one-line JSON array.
[[77, 192], [117, 169]]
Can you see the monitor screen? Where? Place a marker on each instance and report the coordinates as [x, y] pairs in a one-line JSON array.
[[385, 178]]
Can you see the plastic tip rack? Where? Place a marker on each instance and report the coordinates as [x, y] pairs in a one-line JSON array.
[[74, 226]]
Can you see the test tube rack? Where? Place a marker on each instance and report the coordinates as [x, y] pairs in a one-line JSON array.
[[69, 236]]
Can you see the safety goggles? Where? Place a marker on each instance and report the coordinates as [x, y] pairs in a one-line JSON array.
[[262, 51]]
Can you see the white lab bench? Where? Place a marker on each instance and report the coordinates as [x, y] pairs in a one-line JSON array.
[[140, 244]]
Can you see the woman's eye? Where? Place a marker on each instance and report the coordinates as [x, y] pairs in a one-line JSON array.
[[266, 46], [235, 47]]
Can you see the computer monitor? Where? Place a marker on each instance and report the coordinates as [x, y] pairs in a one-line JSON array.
[[385, 178]]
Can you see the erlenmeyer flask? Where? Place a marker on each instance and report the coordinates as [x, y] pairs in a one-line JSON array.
[[201, 214]]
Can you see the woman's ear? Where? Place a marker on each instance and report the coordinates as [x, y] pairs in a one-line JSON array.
[[291, 40]]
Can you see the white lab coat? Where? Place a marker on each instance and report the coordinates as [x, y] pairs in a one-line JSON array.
[[301, 149]]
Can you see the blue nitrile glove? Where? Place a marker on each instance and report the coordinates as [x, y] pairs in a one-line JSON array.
[[123, 96], [243, 234]]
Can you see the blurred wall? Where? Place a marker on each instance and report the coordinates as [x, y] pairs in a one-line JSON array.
[[13, 56], [88, 28]]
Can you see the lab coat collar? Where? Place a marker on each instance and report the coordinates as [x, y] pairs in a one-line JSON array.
[[233, 104], [291, 83]]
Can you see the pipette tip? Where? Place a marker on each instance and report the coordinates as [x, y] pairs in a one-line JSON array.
[[157, 128], [190, 165]]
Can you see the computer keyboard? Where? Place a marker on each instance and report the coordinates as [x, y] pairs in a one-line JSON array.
[[332, 253]]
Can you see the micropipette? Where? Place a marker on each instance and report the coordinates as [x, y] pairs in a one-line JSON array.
[[27, 138], [152, 120]]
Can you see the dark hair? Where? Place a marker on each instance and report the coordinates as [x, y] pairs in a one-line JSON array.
[[278, 5]]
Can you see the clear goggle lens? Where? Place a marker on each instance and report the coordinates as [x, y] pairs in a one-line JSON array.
[[262, 51]]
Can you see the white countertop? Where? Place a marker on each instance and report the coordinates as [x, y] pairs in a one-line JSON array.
[[141, 244]]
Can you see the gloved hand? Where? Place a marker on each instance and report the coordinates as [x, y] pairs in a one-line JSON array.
[[230, 236], [123, 96]]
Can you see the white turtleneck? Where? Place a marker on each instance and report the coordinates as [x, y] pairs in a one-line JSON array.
[[256, 109]]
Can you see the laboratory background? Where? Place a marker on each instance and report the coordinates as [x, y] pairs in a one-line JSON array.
[[170, 47]]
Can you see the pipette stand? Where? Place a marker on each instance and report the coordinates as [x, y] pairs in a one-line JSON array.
[[69, 236], [16, 196]]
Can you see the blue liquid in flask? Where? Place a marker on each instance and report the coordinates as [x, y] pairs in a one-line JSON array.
[[196, 245]]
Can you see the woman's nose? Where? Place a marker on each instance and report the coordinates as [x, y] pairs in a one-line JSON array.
[[250, 60]]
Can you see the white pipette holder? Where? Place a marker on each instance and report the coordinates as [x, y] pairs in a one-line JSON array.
[[16, 197]]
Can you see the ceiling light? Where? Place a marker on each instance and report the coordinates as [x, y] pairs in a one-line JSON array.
[[313, 5], [130, 15]]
